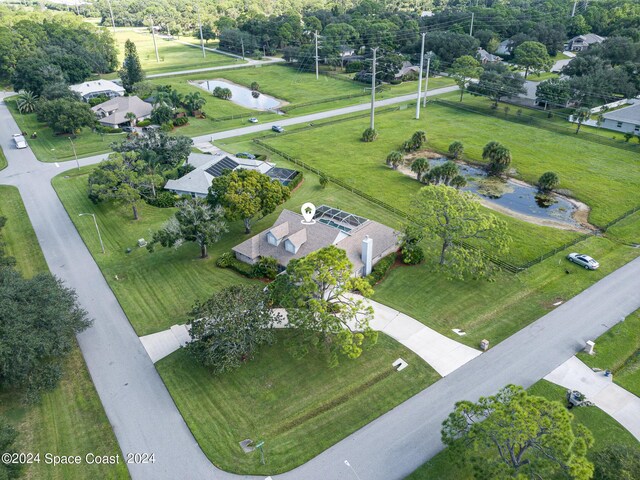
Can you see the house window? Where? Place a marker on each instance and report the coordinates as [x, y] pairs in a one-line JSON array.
[[290, 247], [271, 239], [637, 129], [619, 125]]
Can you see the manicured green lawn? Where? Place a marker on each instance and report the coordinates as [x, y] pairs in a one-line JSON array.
[[174, 56], [70, 419], [495, 310], [626, 230], [618, 350], [297, 407], [605, 178], [157, 290], [542, 76], [606, 431], [3, 160], [49, 147]]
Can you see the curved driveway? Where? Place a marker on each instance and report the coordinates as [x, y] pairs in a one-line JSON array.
[[145, 419]]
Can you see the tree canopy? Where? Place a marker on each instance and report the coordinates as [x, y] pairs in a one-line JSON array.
[[533, 57], [516, 435], [159, 149], [131, 72]]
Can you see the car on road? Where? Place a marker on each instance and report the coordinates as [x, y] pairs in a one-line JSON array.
[[19, 140], [277, 128], [253, 120], [583, 260]]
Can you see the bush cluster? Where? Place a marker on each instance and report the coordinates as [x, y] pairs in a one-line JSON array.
[[295, 181], [164, 199], [380, 269], [180, 121], [144, 123]]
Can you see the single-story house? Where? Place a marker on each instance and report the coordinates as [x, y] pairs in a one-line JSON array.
[[485, 57], [505, 47], [582, 42], [365, 241], [97, 88], [407, 68], [112, 113], [346, 51], [196, 183], [625, 120]]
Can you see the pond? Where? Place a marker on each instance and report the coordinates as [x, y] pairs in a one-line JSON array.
[[515, 196], [242, 95]]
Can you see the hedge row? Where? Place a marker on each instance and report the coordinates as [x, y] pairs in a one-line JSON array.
[[380, 269]]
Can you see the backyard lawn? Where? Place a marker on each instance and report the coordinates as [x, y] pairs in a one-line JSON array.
[[174, 56], [297, 407], [606, 432], [49, 147], [70, 419], [618, 350], [3, 160]]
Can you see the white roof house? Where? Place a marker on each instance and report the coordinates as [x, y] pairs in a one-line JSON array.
[[112, 113], [485, 57], [207, 167], [582, 42], [505, 47], [97, 88], [626, 120]]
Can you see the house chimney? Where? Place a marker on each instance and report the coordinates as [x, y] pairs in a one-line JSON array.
[[367, 254]]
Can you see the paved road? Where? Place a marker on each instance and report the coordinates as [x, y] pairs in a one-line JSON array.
[[145, 419]]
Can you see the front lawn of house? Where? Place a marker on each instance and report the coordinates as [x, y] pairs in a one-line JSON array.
[[606, 432], [3, 160], [69, 419], [297, 407]]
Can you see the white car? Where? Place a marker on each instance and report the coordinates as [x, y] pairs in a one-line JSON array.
[[253, 120], [19, 140], [583, 260]]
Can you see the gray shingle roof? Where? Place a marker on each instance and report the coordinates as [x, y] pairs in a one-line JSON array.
[[116, 109], [630, 114]]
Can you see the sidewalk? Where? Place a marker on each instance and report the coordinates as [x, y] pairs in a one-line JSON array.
[[442, 353], [601, 391]]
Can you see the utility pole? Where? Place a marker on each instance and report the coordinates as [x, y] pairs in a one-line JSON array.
[[373, 88], [113, 23], [420, 78], [471, 28], [316, 37], [242, 44], [573, 12], [74, 153], [200, 26], [426, 80], [155, 45]]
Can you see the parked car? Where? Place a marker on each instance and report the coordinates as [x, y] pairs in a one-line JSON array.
[[128, 129], [19, 140], [250, 156], [583, 260], [277, 128], [253, 120]]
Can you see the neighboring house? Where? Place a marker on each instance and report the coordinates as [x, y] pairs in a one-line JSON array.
[[626, 120], [112, 113], [505, 47], [207, 167], [406, 69], [365, 241], [347, 51], [485, 57], [582, 42], [97, 88]]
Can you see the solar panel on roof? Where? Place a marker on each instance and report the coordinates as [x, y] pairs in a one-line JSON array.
[[217, 168]]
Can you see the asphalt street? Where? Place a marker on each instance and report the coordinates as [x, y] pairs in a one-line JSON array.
[[145, 419]]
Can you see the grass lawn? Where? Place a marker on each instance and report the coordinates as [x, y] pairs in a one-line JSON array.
[[605, 178], [542, 76], [174, 56], [49, 147], [157, 290], [606, 431], [619, 351], [70, 419], [297, 407], [626, 230], [3, 160]]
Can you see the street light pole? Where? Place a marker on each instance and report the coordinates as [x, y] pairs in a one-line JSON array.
[[346, 462], [155, 45], [373, 89], [316, 38], [471, 28], [420, 78], [74, 153], [95, 222], [426, 80], [113, 23]]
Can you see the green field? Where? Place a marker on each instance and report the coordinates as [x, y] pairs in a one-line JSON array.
[[297, 407], [618, 350], [69, 420], [3, 160], [49, 147], [606, 431], [174, 56], [605, 178]]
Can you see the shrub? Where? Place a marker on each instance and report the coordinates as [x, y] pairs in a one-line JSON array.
[[380, 269], [369, 135], [412, 254], [295, 181], [324, 181], [166, 127], [228, 260], [223, 93], [548, 181], [107, 130], [184, 169], [144, 123], [395, 81], [164, 199], [255, 86], [456, 149], [394, 159], [266, 267], [180, 121], [97, 100], [354, 67], [225, 260]]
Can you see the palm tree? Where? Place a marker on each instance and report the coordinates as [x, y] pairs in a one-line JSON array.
[[394, 159], [499, 157], [131, 117], [581, 115], [26, 101], [420, 166], [193, 101]]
